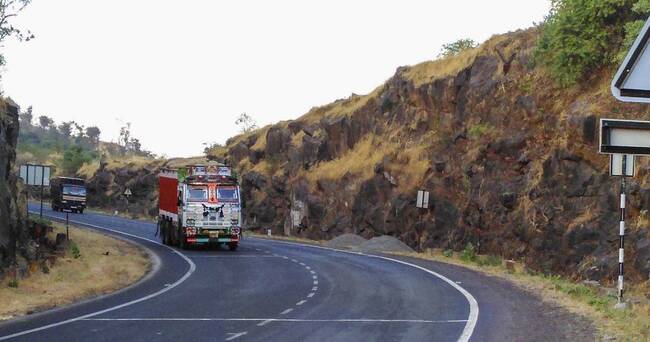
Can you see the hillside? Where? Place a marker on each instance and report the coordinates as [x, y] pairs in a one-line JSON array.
[[509, 156]]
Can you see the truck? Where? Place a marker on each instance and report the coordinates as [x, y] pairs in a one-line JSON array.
[[199, 205], [68, 194]]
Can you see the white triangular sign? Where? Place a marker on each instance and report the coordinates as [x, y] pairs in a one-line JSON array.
[[632, 80]]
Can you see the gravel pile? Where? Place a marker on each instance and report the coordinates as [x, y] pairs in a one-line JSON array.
[[346, 241], [385, 243]]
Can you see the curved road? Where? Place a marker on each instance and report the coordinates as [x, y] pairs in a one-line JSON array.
[[276, 291]]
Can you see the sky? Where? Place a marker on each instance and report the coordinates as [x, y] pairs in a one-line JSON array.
[[182, 71]]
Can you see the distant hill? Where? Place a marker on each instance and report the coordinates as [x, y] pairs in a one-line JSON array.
[[69, 146]]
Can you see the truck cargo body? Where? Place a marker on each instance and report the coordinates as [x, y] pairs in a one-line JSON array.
[[199, 206], [68, 194]]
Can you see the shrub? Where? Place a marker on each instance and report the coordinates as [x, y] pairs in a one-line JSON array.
[[479, 130], [74, 250], [469, 253], [580, 36], [632, 28], [457, 47], [448, 253], [13, 283], [489, 260]]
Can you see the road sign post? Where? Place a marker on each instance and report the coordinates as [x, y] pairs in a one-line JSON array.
[[623, 140], [38, 175]]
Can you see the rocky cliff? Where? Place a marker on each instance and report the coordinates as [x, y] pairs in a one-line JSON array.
[[510, 160], [12, 215]]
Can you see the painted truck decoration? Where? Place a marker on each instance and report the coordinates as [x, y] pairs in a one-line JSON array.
[[199, 204]]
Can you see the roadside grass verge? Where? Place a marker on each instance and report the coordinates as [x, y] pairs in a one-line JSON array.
[[92, 265], [597, 304]]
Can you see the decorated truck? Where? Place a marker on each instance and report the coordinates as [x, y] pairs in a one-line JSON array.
[[199, 204]]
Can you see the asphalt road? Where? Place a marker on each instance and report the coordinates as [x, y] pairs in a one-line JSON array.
[[276, 291]]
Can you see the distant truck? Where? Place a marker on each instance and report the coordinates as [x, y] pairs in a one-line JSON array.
[[199, 204], [68, 194]]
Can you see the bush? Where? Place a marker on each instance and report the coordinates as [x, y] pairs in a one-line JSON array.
[[448, 253], [479, 130], [74, 250], [469, 253], [580, 36], [489, 260], [73, 158], [13, 283], [457, 47]]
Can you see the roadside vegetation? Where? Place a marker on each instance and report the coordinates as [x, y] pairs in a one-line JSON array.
[[582, 36], [70, 146], [92, 264]]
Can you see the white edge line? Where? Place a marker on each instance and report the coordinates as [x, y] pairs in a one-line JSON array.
[[155, 294], [473, 304], [339, 320]]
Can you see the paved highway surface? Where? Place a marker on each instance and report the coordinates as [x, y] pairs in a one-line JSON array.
[[276, 291]]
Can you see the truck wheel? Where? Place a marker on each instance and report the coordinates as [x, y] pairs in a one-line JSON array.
[[81, 211], [183, 243], [233, 246]]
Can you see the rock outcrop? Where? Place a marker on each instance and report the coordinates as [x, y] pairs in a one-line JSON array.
[[13, 234], [510, 160]]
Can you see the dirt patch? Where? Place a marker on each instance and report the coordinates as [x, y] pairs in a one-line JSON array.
[[346, 241], [92, 265], [385, 243]]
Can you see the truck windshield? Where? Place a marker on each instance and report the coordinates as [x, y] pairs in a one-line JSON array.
[[197, 193], [227, 194], [74, 190]]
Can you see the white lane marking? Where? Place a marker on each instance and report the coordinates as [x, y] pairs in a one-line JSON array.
[[473, 304], [310, 295], [315, 282], [294, 260], [302, 264], [312, 272], [155, 294], [315, 288], [263, 323], [230, 256], [236, 335], [301, 302], [315, 276], [257, 249], [307, 267], [286, 311], [340, 320], [285, 257]]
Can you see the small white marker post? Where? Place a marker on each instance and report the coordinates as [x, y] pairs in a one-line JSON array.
[[422, 203], [268, 232]]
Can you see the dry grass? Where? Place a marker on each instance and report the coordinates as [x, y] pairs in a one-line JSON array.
[[70, 279], [339, 108], [359, 161]]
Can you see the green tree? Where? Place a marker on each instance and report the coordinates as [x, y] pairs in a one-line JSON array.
[[246, 123], [93, 133], [26, 117], [580, 36], [8, 10], [457, 47], [632, 28], [45, 122], [74, 158]]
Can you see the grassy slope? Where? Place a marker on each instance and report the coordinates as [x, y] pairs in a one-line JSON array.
[[72, 279]]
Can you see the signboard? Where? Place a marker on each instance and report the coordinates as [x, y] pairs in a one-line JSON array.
[[624, 137], [423, 199], [127, 192], [35, 174], [621, 165], [632, 80]]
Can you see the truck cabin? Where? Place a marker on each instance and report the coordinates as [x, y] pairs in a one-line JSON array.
[[68, 193]]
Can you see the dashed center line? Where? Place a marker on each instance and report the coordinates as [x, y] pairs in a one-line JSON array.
[[263, 323], [310, 295], [286, 311], [235, 335], [301, 302]]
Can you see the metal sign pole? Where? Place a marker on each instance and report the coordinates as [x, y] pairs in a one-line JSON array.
[[27, 186], [67, 224], [42, 186], [621, 235]]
